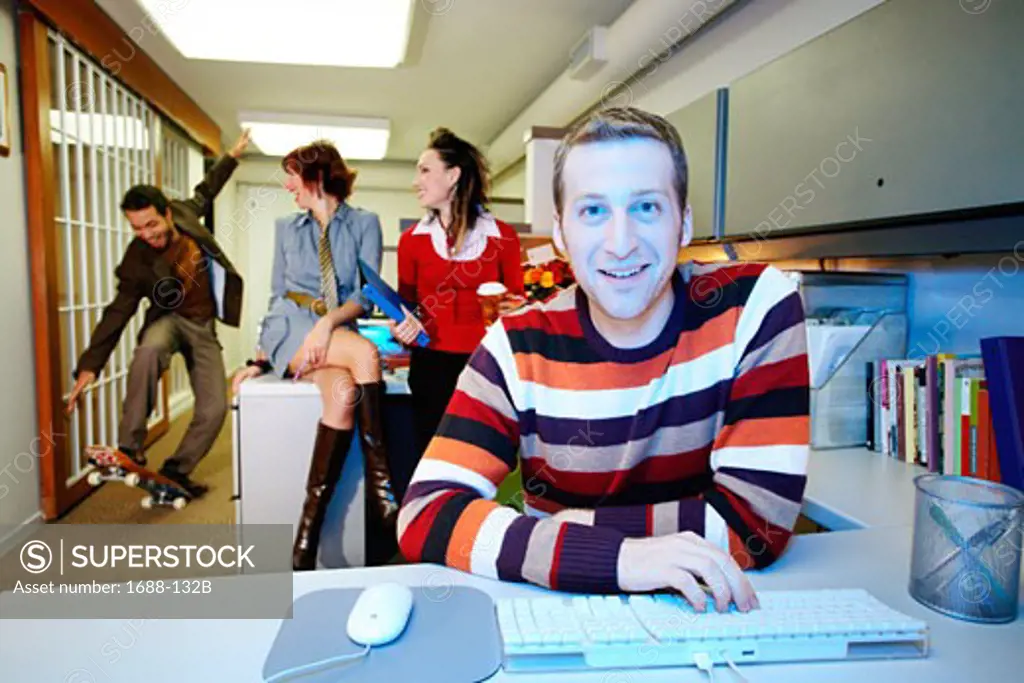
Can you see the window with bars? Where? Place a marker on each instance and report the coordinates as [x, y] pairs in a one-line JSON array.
[[104, 140]]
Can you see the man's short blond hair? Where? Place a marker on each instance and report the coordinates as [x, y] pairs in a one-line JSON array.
[[623, 123]]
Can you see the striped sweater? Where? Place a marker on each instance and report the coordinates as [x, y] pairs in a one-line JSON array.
[[706, 429]]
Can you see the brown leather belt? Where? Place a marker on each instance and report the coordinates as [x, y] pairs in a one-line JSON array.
[[317, 306]]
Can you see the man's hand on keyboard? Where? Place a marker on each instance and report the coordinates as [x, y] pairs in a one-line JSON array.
[[675, 561]]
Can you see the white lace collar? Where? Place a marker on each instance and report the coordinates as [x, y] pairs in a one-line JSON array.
[[472, 247]]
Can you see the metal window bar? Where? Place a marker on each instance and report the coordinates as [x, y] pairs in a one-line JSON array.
[[117, 99], [125, 181], [133, 174], [65, 201], [92, 317], [109, 235], [82, 264]]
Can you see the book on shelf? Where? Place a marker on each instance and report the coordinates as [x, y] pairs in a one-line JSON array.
[[952, 413], [1004, 364]]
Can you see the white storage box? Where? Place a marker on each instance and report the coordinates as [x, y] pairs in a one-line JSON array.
[[852, 319], [274, 424]]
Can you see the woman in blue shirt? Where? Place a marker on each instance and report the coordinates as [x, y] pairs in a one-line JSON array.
[[310, 332]]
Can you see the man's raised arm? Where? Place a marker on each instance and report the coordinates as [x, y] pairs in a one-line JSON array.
[[211, 185]]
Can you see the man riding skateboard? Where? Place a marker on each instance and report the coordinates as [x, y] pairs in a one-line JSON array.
[[175, 263]]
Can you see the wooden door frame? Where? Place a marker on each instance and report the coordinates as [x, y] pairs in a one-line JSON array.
[[91, 26], [40, 196]]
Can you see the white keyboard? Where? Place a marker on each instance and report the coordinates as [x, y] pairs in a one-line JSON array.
[[577, 632]]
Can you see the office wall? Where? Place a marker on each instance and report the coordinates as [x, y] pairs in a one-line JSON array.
[[511, 184], [955, 307], [234, 245], [19, 451], [244, 215], [392, 206]]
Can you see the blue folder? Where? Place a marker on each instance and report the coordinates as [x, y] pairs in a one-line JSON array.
[[385, 298], [1004, 371]]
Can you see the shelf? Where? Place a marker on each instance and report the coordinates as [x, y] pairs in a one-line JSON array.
[[912, 107], [857, 488]]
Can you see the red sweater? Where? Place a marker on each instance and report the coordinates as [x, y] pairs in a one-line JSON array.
[[444, 290]]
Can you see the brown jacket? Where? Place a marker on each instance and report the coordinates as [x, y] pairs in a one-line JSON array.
[[144, 274]]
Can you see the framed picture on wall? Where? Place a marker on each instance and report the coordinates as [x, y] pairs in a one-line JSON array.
[[5, 114]]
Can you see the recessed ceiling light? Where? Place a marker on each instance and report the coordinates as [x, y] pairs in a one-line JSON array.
[[355, 138], [357, 33]]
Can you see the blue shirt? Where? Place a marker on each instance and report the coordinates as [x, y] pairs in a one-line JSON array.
[[352, 232]]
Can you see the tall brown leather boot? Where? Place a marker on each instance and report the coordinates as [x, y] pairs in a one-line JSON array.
[[381, 503], [329, 451]]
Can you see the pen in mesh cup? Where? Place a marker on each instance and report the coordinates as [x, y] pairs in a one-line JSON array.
[[939, 515], [990, 535]]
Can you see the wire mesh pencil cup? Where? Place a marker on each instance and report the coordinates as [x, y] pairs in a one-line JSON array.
[[967, 547]]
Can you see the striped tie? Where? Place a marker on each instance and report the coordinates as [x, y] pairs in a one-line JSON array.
[[328, 285]]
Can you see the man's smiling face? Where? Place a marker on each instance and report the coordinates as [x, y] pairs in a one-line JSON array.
[[621, 224]]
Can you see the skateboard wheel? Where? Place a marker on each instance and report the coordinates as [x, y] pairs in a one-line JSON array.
[[179, 503], [147, 502], [94, 479], [132, 479]]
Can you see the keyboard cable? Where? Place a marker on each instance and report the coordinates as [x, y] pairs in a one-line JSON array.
[[735, 669], [307, 668], [704, 663]]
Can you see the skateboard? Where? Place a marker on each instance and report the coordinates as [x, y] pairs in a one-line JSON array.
[[113, 465]]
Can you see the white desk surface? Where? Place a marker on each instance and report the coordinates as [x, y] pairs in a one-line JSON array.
[[855, 488], [78, 651]]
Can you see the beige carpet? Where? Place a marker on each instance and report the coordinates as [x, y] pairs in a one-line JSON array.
[[116, 503]]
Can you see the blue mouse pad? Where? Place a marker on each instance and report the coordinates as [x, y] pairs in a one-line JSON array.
[[451, 638]]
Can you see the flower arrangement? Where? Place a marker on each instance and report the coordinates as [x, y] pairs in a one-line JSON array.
[[542, 281]]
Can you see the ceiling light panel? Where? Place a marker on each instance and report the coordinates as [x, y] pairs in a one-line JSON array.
[[352, 33], [355, 138]]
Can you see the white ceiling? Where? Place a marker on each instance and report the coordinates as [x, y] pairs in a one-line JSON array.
[[473, 66]]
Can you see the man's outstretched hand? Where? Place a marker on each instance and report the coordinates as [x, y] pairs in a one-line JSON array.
[[85, 378], [243, 142]]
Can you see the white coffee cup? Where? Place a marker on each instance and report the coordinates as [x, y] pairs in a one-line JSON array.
[[491, 295]]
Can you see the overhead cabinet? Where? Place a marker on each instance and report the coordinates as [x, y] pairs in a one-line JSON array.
[[914, 107], [698, 125]]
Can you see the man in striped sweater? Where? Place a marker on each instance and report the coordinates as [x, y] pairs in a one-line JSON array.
[[658, 411]]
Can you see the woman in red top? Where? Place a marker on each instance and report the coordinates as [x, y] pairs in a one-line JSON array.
[[442, 260]]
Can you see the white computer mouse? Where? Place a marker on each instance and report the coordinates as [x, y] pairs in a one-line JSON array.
[[380, 614]]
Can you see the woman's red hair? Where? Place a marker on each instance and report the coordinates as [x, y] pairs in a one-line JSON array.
[[320, 164]]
